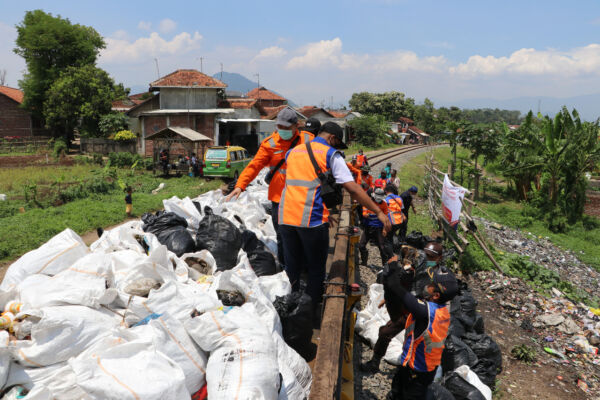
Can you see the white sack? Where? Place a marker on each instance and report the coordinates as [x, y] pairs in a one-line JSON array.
[[296, 373], [465, 372], [185, 208], [5, 358], [56, 255], [56, 381], [243, 357], [451, 205], [59, 333], [133, 370], [275, 285]]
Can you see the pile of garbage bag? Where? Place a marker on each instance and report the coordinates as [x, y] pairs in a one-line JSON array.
[[471, 359], [129, 317]]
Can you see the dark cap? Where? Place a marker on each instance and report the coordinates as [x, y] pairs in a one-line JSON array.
[[287, 117], [312, 125], [413, 189], [445, 283], [335, 130], [433, 249]]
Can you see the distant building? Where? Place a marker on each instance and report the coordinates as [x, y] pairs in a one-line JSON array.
[[185, 98], [315, 112], [245, 126], [266, 98], [14, 120]]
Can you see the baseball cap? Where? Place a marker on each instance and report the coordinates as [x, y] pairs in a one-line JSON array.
[[287, 117], [445, 283], [312, 125], [378, 195], [413, 189], [335, 130]]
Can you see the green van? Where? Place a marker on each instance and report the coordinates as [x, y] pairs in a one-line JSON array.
[[225, 161]]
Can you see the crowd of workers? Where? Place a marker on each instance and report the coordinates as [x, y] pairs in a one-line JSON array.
[[306, 173]]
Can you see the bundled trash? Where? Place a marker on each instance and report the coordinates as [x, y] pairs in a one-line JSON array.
[[129, 318]]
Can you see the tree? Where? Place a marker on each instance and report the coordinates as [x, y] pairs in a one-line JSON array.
[[391, 105], [49, 45], [481, 140], [369, 130], [78, 99], [425, 116], [112, 123]]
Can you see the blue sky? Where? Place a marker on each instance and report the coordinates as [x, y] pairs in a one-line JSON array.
[[313, 50]]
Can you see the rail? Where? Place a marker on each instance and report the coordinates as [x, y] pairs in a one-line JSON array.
[[333, 373]]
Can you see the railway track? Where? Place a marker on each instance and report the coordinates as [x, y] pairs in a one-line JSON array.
[[333, 367]]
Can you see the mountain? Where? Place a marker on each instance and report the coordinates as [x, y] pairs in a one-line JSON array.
[[239, 83], [587, 105]]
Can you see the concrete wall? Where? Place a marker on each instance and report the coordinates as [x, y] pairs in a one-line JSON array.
[[184, 98], [105, 146]]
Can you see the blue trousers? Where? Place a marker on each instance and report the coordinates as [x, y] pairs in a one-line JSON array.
[[306, 248]]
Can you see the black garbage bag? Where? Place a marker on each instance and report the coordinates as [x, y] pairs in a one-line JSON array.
[[418, 240], [435, 391], [463, 309], [171, 230], [198, 206], [461, 389], [221, 237], [295, 313], [229, 188], [456, 328], [456, 353], [261, 260], [486, 371], [485, 348], [479, 325]]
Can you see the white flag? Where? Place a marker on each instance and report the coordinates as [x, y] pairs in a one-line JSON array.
[[451, 204]]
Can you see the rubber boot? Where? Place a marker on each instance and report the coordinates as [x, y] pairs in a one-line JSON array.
[[364, 256], [371, 366]]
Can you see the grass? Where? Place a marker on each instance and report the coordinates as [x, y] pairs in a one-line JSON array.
[[354, 147], [23, 232], [18, 154], [13, 179]]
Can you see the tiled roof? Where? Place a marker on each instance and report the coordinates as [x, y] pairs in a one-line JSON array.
[[242, 104], [15, 94], [338, 114], [406, 120], [273, 111], [265, 94], [130, 102], [187, 78], [309, 111], [140, 96]]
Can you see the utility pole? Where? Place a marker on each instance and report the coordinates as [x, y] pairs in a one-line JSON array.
[[157, 71], [257, 75], [221, 72], [201, 58]]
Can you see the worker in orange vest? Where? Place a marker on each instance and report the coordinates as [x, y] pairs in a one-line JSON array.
[[354, 171], [303, 210], [271, 154], [361, 159], [426, 326], [365, 176], [373, 229], [381, 181], [396, 215]]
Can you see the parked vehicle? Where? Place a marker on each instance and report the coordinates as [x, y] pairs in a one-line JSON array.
[[225, 161]]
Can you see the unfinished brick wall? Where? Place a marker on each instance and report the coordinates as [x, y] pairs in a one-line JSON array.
[[14, 121]]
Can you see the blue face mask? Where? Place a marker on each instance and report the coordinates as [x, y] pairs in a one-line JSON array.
[[286, 134], [431, 263]]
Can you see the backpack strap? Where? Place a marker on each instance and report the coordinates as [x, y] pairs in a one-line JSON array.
[[282, 161]]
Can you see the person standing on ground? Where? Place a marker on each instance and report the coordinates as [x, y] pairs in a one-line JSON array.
[[396, 310], [380, 182], [388, 170], [407, 202], [373, 229], [195, 167], [128, 201], [303, 216], [395, 206], [365, 176], [361, 159], [395, 180], [271, 154]]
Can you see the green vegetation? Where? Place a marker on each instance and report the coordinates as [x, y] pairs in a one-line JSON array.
[[125, 135], [524, 353], [96, 201], [370, 130], [111, 123]]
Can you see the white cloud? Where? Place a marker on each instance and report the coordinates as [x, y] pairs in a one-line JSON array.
[[144, 25], [167, 25], [270, 52], [318, 54], [124, 51], [577, 61]]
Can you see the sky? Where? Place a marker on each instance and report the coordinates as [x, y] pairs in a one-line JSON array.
[[323, 51]]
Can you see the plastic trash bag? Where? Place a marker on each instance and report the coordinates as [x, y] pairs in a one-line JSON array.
[[457, 353], [486, 371], [435, 391], [460, 388], [170, 230], [418, 240], [465, 372], [221, 237], [295, 313], [261, 260], [484, 347]]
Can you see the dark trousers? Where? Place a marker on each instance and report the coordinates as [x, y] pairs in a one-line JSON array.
[[402, 230], [386, 333], [275, 218], [306, 249], [393, 240], [410, 385], [376, 234]]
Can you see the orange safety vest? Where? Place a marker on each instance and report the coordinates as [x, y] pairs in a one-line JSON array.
[[395, 206], [360, 160], [371, 218], [368, 179], [424, 353], [271, 151], [301, 203]]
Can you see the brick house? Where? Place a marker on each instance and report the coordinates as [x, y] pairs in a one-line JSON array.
[[266, 98], [185, 98], [15, 121]]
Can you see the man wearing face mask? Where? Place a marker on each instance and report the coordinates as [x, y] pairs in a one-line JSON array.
[[272, 154], [403, 276], [303, 216]]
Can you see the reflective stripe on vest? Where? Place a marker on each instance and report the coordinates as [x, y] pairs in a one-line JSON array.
[[271, 142], [396, 216], [425, 352], [300, 203]]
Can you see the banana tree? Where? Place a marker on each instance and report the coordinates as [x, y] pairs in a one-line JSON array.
[[556, 142]]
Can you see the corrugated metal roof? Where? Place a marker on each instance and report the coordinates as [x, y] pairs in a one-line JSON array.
[[187, 133]]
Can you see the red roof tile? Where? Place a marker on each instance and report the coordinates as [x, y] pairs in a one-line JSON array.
[[406, 120], [242, 104], [309, 111], [264, 93], [140, 96], [14, 94], [187, 78], [338, 114], [273, 111]]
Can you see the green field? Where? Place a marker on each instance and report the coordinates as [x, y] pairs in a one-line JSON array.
[[21, 232]]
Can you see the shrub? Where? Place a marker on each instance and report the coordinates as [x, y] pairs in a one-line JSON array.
[[124, 135], [81, 160], [97, 159], [123, 159], [111, 123], [60, 147]]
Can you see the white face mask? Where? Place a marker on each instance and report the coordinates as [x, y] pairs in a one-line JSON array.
[[286, 134]]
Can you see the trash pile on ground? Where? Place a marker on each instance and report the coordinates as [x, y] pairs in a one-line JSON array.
[[568, 331], [167, 308], [471, 359]]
